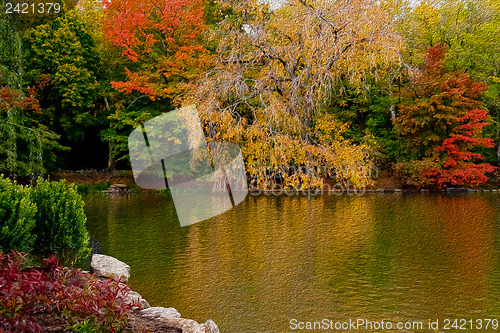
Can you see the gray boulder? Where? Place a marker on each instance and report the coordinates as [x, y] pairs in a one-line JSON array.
[[186, 325], [210, 327], [136, 298], [161, 312], [173, 318], [109, 267]]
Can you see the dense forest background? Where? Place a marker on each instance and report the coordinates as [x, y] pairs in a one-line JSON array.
[[340, 86]]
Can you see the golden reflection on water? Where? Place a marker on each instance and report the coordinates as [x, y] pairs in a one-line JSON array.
[[392, 257]]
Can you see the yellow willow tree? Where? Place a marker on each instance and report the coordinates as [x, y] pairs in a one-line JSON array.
[[273, 71]]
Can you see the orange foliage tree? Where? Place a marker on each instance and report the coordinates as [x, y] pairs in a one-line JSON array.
[[276, 67], [162, 39], [443, 122]]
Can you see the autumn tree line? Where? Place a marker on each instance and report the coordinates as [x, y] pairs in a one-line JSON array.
[[340, 86]]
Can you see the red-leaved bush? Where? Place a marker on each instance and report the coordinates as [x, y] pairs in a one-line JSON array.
[[442, 120], [459, 167], [69, 295]]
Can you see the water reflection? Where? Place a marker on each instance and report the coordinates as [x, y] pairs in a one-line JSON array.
[[393, 257]]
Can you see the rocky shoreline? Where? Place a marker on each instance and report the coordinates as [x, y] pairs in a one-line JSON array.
[[145, 318]]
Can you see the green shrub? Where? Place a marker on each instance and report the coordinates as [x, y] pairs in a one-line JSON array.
[[17, 217], [85, 326], [60, 221], [102, 186], [83, 189]]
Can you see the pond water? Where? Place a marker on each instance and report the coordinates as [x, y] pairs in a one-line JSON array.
[[391, 257]]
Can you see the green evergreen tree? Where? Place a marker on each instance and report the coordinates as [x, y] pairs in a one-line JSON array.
[[27, 146]]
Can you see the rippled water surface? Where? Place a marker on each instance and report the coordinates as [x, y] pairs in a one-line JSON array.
[[392, 257]]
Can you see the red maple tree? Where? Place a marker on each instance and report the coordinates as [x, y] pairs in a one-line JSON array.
[[458, 167], [444, 122], [161, 38]]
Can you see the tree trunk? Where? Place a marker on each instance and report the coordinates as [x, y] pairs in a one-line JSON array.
[[111, 162]]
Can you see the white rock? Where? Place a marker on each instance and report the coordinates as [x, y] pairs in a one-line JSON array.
[[172, 317], [135, 297], [210, 327], [161, 312], [106, 266], [186, 325]]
